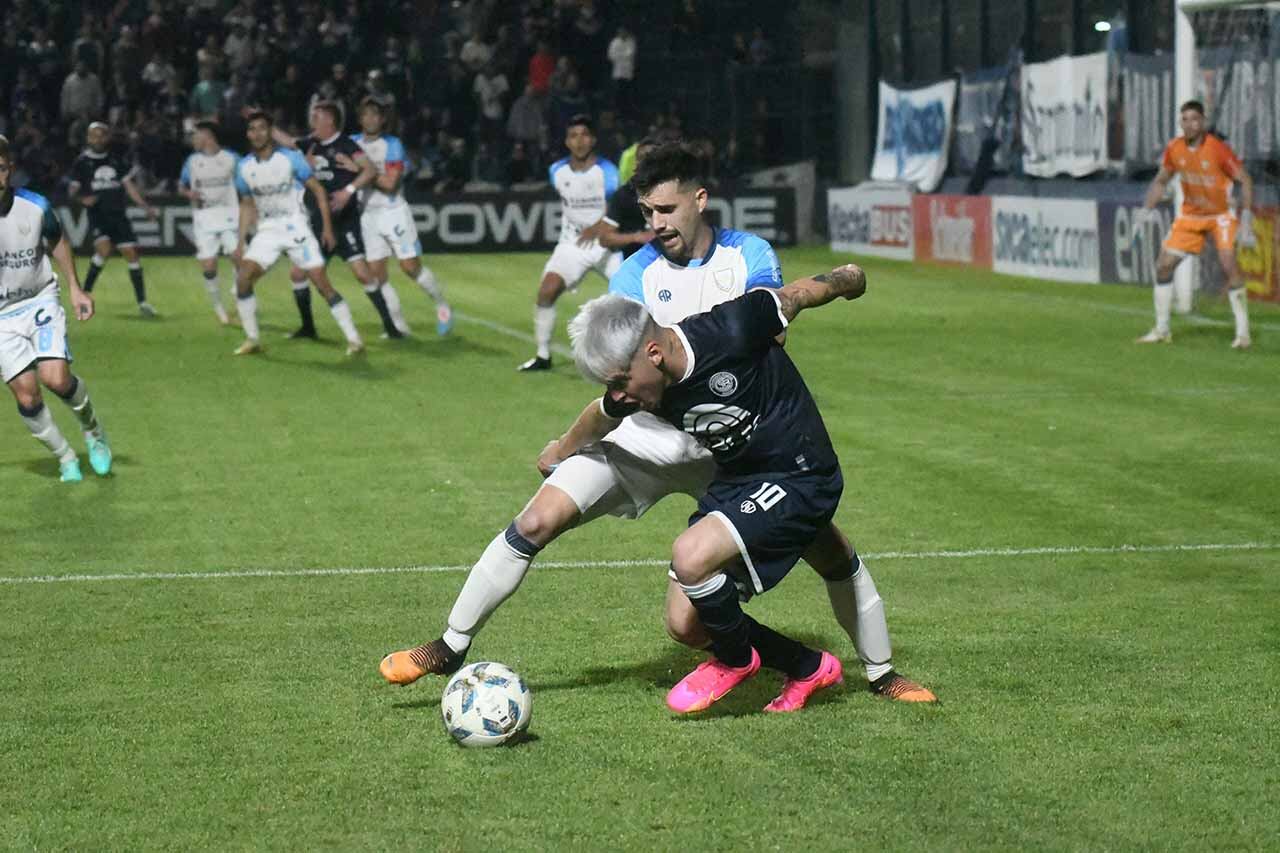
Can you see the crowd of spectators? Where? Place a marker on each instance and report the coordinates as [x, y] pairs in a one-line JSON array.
[[481, 90]]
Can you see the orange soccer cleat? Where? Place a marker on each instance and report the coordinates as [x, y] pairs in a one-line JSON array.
[[407, 666], [894, 686]]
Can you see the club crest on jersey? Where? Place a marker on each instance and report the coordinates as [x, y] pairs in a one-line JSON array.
[[724, 280], [723, 384], [664, 295], [24, 229]]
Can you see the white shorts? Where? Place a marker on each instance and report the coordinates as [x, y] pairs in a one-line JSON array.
[[605, 479], [294, 239], [572, 262], [388, 231], [215, 231], [34, 331]]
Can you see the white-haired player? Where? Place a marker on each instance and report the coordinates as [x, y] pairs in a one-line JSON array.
[[208, 180], [585, 182], [386, 222], [33, 326]]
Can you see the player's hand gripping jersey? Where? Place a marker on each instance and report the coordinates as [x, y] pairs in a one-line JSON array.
[[736, 263]]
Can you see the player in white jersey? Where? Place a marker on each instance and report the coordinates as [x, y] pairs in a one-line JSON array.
[[584, 182], [33, 326], [271, 184], [208, 180], [387, 222], [689, 268]]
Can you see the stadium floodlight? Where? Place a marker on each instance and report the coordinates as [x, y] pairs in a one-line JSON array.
[[1102, 26]]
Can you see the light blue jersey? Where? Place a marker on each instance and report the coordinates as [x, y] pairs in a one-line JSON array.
[[276, 184], [583, 195]]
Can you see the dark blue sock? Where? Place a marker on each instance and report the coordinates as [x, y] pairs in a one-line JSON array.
[[721, 613]]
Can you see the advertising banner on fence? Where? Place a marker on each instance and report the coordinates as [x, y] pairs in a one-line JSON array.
[[1146, 87], [1045, 238], [914, 134], [978, 114], [1064, 116], [1129, 247], [871, 219], [470, 222], [953, 229], [1259, 263]]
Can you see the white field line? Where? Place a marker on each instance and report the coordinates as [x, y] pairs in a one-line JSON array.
[[501, 329], [1047, 550]]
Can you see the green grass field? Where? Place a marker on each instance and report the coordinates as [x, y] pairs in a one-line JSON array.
[[1077, 540]]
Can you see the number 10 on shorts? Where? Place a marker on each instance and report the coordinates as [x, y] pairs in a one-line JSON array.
[[767, 495]]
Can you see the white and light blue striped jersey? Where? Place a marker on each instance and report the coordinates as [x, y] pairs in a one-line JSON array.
[[25, 272], [276, 185], [736, 263], [213, 176], [583, 195], [386, 153]]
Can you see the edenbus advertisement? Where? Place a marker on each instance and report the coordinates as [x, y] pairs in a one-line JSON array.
[[1073, 240]]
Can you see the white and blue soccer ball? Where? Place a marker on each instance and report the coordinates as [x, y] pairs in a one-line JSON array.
[[485, 704]]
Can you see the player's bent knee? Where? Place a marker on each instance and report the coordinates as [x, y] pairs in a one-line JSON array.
[[691, 559], [540, 523]]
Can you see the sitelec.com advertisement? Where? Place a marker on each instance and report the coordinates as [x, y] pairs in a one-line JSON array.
[[1045, 238]]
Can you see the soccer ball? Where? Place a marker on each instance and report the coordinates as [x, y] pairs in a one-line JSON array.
[[485, 704]]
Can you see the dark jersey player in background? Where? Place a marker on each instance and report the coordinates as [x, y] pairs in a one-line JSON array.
[[723, 377], [327, 149], [623, 225], [100, 178]]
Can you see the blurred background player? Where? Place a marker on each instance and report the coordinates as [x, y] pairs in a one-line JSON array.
[[584, 182], [343, 184], [208, 180], [33, 326], [1208, 167], [387, 222], [99, 180], [270, 181], [623, 226]]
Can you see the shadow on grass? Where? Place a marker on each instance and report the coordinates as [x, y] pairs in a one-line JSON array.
[[48, 466]]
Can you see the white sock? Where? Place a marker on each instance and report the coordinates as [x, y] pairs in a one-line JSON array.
[[492, 580], [1163, 296], [215, 296], [47, 433], [427, 281], [342, 313], [859, 610], [392, 299], [247, 308], [98, 261], [1239, 299], [83, 408], [544, 324]]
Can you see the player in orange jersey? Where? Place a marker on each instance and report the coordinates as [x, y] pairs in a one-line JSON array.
[[1208, 167]]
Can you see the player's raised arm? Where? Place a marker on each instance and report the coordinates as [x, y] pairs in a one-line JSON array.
[[284, 140], [848, 281]]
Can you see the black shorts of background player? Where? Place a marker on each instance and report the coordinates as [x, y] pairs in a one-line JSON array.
[[322, 149], [100, 180]]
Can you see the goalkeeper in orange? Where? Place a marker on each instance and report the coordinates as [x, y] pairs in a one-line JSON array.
[[1208, 167]]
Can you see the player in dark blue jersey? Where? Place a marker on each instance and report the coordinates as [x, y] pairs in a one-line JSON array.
[[722, 377]]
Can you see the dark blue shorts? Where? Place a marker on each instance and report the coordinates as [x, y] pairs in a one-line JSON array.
[[346, 230], [113, 225], [774, 521]]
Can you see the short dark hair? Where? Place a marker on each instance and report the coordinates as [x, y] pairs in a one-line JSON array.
[[584, 120], [4, 148], [370, 102], [258, 115], [332, 109], [1191, 105], [210, 127], [671, 161]]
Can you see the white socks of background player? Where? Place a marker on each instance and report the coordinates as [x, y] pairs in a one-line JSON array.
[[427, 281], [247, 308], [392, 299], [40, 421], [544, 325], [1163, 296], [492, 580], [215, 295], [1239, 299], [859, 610]]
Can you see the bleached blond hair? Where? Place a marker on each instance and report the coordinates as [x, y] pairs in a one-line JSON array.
[[606, 335]]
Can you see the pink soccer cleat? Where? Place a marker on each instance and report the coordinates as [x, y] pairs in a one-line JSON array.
[[709, 683], [795, 692]]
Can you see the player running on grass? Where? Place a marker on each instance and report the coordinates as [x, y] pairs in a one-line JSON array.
[[387, 222], [691, 268], [208, 180], [585, 181], [100, 179], [1208, 167], [724, 378], [33, 326], [270, 181]]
